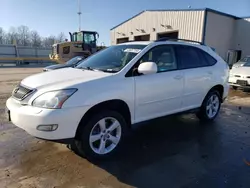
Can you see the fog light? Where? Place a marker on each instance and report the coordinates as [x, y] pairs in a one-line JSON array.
[[47, 127]]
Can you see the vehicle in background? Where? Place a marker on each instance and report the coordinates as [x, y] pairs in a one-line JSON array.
[[82, 43], [241, 62], [93, 105], [239, 77], [71, 63]]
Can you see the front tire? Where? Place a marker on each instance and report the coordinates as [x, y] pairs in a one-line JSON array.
[[101, 137], [210, 106]]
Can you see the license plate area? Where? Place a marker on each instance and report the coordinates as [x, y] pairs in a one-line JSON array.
[[242, 82], [7, 114]]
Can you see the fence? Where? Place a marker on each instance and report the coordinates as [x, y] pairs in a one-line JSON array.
[[12, 54]]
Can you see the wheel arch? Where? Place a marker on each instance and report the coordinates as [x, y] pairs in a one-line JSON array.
[[113, 104], [219, 88]]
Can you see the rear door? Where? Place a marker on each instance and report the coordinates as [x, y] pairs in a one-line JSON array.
[[198, 74]]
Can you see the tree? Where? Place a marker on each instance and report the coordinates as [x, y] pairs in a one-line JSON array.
[[2, 36], [49, 41], [61, 37], [12, 36], [35, 39], [23, 35]]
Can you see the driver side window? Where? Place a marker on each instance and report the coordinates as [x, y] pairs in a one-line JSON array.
[[163, 56]]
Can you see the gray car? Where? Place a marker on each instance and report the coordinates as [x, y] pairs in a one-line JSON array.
[[71, 63]]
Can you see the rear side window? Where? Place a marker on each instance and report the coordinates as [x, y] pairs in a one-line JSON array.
[[189, 57], [210, 60], [192, 57]]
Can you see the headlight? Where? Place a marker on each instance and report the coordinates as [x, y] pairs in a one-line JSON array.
[[53, 99]]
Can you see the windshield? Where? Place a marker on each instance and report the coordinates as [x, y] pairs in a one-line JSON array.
[[89, 38], [112, 59], [74, 60], [78, 36], [245, 59], [246, 64]]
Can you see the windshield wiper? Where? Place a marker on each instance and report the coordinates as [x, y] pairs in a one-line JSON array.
[[86, 68], [102, 70], [109, 70], [89, 68]]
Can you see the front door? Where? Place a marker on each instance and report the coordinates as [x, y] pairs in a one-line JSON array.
[[159, 94]]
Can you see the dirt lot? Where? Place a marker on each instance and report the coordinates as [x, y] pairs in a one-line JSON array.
[[170, 152]]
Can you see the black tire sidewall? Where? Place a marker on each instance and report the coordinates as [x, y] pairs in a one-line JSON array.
[[83, 145]]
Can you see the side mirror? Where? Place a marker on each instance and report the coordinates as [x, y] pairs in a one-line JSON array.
[[147, 68]]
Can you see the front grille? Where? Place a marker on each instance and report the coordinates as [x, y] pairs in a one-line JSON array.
[[242, 82], [20, 92]]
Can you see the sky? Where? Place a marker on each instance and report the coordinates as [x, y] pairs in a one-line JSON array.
[[50, 17]]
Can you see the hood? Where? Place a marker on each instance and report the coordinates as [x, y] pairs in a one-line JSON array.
[[52, 67], [241, 71], [62, 78], [238, 64]]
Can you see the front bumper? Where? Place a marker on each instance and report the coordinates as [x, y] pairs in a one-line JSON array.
[[29, 117], [239, 82]]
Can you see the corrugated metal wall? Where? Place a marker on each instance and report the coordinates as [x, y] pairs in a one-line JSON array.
[[242, 39], [219, 33], [188, 23]]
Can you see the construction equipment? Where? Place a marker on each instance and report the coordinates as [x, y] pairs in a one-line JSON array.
[[82, 43]]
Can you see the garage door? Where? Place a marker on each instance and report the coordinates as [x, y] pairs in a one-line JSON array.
[[173, 35], [122, 40], [142, 38]]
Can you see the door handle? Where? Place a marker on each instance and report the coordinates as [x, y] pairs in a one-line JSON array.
[[210, 72], [178, 77]]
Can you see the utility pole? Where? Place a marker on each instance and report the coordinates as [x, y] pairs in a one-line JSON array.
[[79, 14]]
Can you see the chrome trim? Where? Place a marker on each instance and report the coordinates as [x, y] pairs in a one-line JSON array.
[[26, 95]]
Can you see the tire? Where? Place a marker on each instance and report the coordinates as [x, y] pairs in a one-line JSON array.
[[91, 150], [204, 113], [234, 87]]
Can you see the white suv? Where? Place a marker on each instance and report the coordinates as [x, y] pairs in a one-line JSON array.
[[93, 105]]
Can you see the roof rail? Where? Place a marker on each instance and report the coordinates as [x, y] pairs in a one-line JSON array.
[[177, 39]]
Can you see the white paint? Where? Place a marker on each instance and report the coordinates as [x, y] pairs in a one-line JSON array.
[[147, 96], [239, 73], [147, 68]]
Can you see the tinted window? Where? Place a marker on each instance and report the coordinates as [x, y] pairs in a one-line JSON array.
[[163, 56], [247, 64], [74, 60], [244, 59], [210, 60], [191, 57]]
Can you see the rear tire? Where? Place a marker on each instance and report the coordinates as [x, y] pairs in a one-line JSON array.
[[210, 106], [102, 136], [234, 87]]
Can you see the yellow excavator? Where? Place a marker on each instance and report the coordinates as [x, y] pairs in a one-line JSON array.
[[82, 43]]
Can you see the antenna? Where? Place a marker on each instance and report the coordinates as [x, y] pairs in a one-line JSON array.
[[79, 14]]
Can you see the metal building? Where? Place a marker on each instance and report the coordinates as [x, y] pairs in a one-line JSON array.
[[219, 30]]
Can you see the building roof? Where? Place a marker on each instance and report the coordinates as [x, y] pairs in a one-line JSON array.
[[162, 10]]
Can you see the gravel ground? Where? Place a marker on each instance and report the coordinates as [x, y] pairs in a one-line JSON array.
[[180, 152]]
